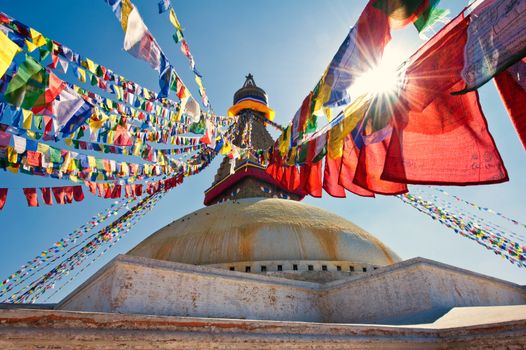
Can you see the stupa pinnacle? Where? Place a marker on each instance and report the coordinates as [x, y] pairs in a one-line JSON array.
[[248, 180]]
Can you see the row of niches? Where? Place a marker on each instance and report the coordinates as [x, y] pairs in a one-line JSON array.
[[297, 266]]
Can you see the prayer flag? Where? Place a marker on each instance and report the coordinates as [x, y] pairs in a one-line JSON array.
[[438, 138], [496, 39], [34, 158], [58, 193], [175, 21], [78, 195], [140, 43], [512, 88], [350, 155], [31, 196], [422, 13], [331, 175], [8, 51], [361, 50], [27, 85], [71, 111], [164, 5], [46, 195], [3, 197], [68, 194]]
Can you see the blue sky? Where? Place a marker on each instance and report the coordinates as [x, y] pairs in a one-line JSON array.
[[286, 45]]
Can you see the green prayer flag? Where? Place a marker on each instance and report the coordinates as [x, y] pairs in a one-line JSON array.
[[430, 17], [54, 155], [302, 153], [178, 36], [37, 121], [27, 85]]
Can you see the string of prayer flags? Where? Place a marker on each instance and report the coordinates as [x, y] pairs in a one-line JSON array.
[[185, 49], [422, 134], [140, 43], [31, 290], [63, 195], [59, 248], [496, 242]]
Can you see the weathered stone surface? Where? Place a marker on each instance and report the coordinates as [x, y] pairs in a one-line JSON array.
[[407, 292], [47, 329], [264, 229]]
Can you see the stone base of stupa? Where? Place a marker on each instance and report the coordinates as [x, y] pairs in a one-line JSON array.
[[140, 303], [502, 327]]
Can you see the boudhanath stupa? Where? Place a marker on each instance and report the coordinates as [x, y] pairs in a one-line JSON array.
[[256, 268]]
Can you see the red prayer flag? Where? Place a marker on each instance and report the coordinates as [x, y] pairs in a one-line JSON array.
[[46, 195], [439, 138], [31, 196], [512, 88], [370, 166], [78, 195], [331, 174], [122, 137], [311, 173], [34, 158], [58, 192], [138, 190], [92, 186], [3, 197], [348, 168], [108, 190], [54, 88], [116, 193], [68, 194]]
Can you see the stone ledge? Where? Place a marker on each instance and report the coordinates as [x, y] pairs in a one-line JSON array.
[[41, 329]]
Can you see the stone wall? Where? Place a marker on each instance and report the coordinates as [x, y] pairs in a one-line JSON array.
[[417, 290], [413, 291], [145, 286]]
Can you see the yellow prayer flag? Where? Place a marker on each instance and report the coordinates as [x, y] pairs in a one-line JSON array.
[[32, 135], [284, 142], [292, 156], [37, 38], [111, 135], [124, 169], [12, 156], [90, 65], [12, 169], [199, 82], [81, 75], [92, 162], [226, 149], [42, 148], [351, 117], [174, 20], [8, 50], [30, 46], [127, 7], [27, 119]]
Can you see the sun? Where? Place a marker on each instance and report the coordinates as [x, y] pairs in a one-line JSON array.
[[384, 79]]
